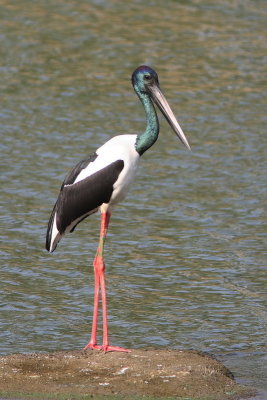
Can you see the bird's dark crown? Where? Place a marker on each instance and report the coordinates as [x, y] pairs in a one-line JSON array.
[[143, 77]]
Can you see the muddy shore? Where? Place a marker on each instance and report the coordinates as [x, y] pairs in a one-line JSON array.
[[139, 374]]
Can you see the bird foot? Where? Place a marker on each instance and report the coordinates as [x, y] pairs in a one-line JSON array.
[[114, 348], [105, 348]]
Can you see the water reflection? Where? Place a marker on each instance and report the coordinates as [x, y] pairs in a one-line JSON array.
[[186, 254]]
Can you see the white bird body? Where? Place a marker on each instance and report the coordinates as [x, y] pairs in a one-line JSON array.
[[123, 147], [120, 147]]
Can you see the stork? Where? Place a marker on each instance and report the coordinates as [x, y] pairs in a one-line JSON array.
[[102, 180]]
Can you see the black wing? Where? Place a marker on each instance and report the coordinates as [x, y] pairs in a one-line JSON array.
[[70, 178], [77, 201]]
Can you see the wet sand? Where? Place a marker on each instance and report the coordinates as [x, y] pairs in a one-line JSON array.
[[138, 374]]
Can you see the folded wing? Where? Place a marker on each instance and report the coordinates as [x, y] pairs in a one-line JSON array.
[[77, 201]]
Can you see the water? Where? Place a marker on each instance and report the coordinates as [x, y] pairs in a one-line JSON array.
[[186, 252]]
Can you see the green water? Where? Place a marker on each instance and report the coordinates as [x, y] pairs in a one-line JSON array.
[[186, 251]]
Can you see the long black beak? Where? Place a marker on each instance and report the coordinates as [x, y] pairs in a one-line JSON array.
[[160, 100]]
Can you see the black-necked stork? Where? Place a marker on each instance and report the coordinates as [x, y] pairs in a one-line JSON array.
[[103, 179]]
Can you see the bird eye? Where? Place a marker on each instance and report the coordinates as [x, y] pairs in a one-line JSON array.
[[147, 77]]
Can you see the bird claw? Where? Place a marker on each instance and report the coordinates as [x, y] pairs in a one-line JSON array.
[[105, 348], [114, 348]]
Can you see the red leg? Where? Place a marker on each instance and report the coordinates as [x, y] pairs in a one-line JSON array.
[[99, 271], [92, 344]]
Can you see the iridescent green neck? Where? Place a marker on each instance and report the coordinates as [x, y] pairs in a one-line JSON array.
[[146, 139]]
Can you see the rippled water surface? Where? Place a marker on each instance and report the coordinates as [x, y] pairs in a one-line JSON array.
[[186, 251]]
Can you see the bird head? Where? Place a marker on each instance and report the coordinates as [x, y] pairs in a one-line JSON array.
[[146, 83], [143, 78]]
